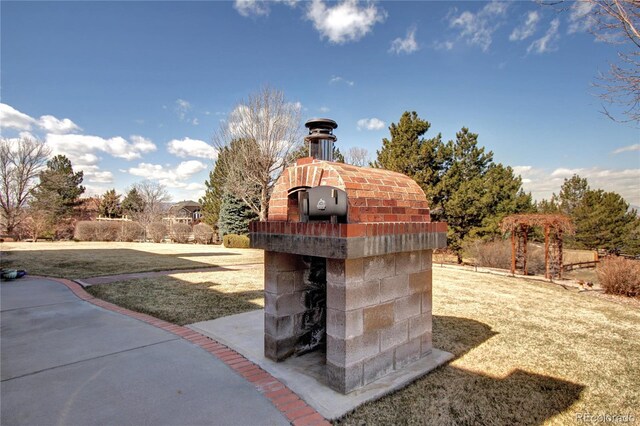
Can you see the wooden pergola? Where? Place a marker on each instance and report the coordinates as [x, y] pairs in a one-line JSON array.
[[554, 226]]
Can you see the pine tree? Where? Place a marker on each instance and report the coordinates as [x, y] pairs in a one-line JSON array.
[[632, 241], [59, 189], [572, 194], [212, 199], [110, 205], [409, 153], [464, 187], [132, 203], [603, 220], [235, 216]]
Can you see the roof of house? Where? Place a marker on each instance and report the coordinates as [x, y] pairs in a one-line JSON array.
[[190, 206]]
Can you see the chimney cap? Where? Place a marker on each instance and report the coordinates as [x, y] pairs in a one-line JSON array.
[[320, 123]]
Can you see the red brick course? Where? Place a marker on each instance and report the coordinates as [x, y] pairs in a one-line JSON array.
[[346, 230], [274, 390]]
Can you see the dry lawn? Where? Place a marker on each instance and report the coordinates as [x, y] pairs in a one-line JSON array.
[[90, 259], [575, 256], [185, 298], [526, 352]]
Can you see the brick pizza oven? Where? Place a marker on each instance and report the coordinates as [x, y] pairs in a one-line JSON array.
[[347, 265]]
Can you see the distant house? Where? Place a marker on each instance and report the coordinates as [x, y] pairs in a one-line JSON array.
[[188, 212]]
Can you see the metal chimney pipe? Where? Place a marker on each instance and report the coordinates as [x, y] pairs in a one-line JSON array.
[[321, 138]]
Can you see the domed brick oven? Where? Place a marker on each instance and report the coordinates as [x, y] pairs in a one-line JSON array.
[[347, 265]]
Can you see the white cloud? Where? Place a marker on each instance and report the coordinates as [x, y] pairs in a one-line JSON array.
[[142, 144], [543, 183], [527, 28], [370, 124], [478, 28], [191, 148], [443, 45], [182, 108], [337, 79], [171, 177], [94, 175], [345, 21], [53, 125], [86, 162], [405, 45], [519, 170], [195, 122], [11, 118], [324, 109], [195, 186], [580, 17], [565, 173], [253, 8], [75, 146], [546, 43], [630, 148]]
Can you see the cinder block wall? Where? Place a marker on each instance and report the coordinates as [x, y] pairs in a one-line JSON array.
[[283, 303], [378, 313], [378, 316]]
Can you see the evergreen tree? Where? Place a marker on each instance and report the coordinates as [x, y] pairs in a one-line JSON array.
[[212, 200], [547, 206], [632, 241], [59, 189], [464, 187], [571, 195], [132, 203], [110, 205], [603, 220], [235, 216], [409, 153]]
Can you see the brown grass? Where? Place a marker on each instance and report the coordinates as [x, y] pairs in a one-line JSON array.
[[526, 352], [89, 259], [185, 298]]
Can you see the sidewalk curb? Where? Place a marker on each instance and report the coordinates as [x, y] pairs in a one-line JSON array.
[[298, 412]]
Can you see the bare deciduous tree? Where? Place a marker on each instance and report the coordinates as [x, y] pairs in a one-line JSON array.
[[36, 222], [265, 128], [357, 156], [20, 161], [155, 197], [616, 22]]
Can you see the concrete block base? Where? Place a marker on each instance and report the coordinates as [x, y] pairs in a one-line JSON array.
[[307, 375]]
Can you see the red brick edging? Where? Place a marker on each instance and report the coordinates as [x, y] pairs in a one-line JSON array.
[[295, 409]]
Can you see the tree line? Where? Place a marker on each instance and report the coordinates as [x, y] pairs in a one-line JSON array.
[[464, 186], [41, 195]]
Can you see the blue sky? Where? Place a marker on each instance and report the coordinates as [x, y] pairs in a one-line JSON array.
[[135, 90]]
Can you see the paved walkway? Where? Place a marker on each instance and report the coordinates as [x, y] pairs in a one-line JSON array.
[[68, 358]]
